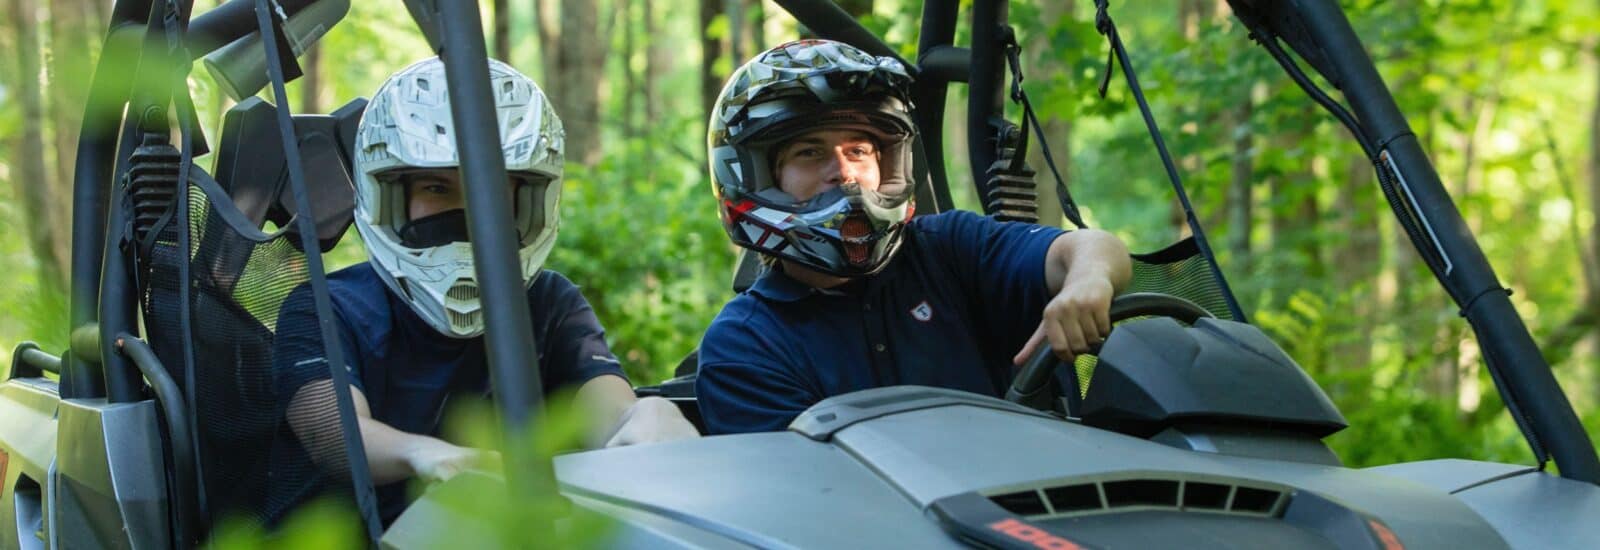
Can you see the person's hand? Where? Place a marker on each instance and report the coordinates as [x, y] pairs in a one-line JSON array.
[[438, 461], [1078, 317], [651, 420]]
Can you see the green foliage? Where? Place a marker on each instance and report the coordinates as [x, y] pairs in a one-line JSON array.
[[480, 510], [1498, 92], [323, 524], [644, 242]]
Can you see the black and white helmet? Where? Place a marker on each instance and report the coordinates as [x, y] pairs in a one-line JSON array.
[[800, 87], [407, 127]]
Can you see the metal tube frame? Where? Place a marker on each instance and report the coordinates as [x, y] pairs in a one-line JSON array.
[[101, 292], [175, 412], [509, 341], [1319, 31], [106, 140]]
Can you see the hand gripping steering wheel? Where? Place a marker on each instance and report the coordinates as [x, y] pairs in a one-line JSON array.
[[1032, 386]]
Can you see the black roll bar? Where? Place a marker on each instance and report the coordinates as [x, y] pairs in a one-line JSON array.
[[508, 330], [344, 402], [985, 89], [829, 21], [175, 414], [92, 180], [28, 361], [928, 92], [1319, 31], [96, 170]]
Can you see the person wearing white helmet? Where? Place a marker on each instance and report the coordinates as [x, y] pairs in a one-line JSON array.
[[410, 319], [810, 161]]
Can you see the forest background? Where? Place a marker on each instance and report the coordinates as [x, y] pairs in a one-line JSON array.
[[1505, 96]]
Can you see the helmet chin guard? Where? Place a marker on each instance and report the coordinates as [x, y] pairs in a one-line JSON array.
[[788, 91], [408, 127]]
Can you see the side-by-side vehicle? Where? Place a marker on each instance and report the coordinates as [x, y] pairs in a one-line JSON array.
[[1193, 428]]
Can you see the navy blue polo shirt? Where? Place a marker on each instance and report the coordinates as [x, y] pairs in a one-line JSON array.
[[951, 309], [408, 371]]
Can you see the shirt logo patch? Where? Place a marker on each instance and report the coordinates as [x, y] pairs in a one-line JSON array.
[[923, 312]]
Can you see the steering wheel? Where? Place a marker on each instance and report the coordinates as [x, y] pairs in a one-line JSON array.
[[1032, 386]]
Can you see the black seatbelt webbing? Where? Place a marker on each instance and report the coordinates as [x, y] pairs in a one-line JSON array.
[[1103, 23], [173, 30], [1013, 50], [269, 22]]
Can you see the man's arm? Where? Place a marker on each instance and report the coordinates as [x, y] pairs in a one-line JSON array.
[[619, 418], [392, 455], [1084, 269]]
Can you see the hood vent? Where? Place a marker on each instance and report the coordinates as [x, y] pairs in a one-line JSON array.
[[1143, 494]]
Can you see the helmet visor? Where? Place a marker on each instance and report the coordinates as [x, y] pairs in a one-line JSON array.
[[428, 206]]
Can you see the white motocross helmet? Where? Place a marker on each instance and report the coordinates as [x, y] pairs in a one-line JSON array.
[[407, 127]]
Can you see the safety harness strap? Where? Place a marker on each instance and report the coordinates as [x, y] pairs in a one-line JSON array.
[[1103, 24]]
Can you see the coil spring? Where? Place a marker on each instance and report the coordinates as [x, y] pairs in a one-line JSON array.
[[1010, 194], [152, 183]]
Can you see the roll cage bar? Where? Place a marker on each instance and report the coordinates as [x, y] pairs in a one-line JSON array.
[[102, 295]]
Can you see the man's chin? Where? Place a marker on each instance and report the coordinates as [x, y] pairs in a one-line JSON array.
[[811, 277]]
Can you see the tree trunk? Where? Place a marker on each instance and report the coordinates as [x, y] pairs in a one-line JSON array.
[[548, 17], [630, 81], [1592, 278], [758, 26], [311, 83], [1057, 130], [1357, 259], [1295, 213], [502, 31], [710, 50], [733, 10], [32, 181], [1189, 16], [573, 70], [75, 27], [1241, 182], [74, 37], [656, 61]]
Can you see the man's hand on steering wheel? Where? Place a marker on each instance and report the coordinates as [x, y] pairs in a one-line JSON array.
[[1077, 318], [1031, 387]]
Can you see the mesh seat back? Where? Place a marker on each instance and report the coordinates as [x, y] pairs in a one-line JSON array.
[[251, 463]]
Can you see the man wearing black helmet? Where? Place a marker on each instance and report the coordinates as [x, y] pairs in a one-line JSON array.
[[811, 165]]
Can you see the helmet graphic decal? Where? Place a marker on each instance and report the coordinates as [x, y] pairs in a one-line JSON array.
[[784, 93]]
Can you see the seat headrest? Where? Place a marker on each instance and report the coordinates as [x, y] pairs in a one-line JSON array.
[[251, 167]]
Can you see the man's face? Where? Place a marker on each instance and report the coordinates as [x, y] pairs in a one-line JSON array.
[[433, 192], [818, 161]]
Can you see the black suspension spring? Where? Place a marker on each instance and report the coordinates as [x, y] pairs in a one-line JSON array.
[[152, 185], [1010, 194]]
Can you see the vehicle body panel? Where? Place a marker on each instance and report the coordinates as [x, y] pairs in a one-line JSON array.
[[872, 484], [111, 485], [28, 439]]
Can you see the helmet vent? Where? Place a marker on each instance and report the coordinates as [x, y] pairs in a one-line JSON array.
[[464, 320], [465, 291]]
